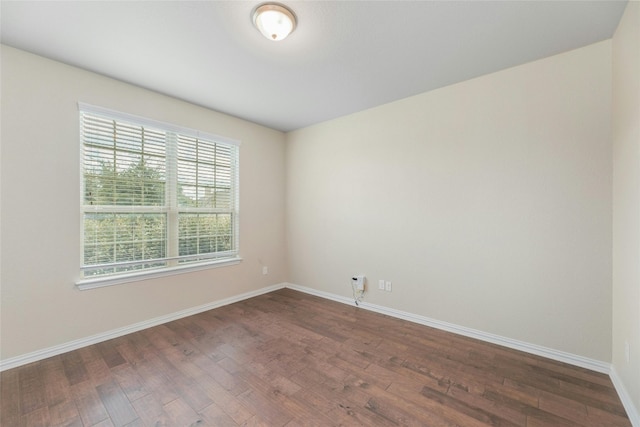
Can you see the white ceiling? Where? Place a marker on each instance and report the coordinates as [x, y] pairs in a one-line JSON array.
[[345, 56]]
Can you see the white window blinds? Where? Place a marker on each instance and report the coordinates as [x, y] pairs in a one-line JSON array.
[[154, 195]]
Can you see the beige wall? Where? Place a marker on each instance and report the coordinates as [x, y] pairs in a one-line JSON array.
[[486, 203], [626, 200], [40, 208]]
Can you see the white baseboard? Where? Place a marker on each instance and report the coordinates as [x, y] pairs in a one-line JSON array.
[[572, 359], [14, 362], [627, 402]]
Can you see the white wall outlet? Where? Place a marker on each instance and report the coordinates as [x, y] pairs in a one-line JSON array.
[[381, 284], [387, 286], [265, 270], [627, 351]]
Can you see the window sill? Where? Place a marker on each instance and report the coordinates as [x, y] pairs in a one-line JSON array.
[[100, 282]]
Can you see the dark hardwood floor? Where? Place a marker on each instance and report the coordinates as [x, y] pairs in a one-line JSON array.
[[290, 359]]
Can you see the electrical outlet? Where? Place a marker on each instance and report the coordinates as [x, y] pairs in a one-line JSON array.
[[627, 351], [265, 270], [381, 284], [387, 286]]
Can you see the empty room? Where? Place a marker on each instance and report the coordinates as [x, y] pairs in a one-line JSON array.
[[320, 213]]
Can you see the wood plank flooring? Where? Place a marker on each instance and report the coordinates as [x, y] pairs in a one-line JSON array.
[[291, 359]]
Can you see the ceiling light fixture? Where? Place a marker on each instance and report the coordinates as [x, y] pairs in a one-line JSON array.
[[275, 21]]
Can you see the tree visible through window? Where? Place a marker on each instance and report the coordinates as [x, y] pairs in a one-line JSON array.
[[154, 197]]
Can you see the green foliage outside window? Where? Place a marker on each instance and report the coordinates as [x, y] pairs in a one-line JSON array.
[[121, 237]]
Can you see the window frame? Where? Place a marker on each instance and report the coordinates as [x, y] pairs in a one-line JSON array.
[[170, 207]]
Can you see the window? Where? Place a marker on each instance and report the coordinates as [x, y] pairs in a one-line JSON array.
[[155, 197]]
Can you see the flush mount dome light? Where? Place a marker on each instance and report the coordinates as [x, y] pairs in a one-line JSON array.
[[275, 21]]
